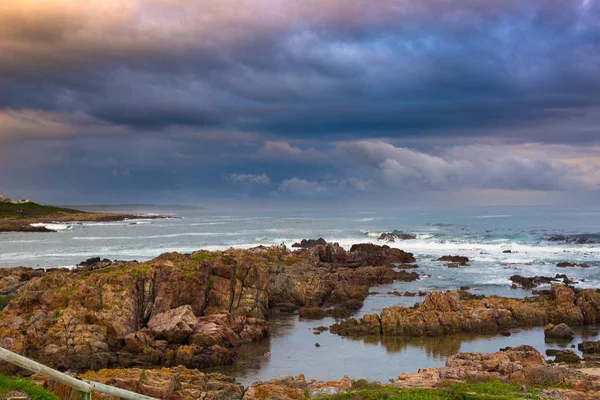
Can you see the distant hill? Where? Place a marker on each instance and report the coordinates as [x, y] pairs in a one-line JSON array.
[[18, 216], [27, 210]]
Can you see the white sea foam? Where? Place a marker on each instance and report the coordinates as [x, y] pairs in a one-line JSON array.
[[166, 236], [424, 236], [493, 216], [53, 226]]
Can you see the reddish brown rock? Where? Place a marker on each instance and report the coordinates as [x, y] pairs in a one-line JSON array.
[[522, 364], [175, 325], [294, 388], [176, 309], [172, 384], [448, 313]]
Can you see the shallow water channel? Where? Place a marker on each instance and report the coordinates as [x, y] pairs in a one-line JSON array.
[[291, 350]]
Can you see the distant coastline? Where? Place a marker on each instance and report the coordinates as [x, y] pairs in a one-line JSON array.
[[18, 216]]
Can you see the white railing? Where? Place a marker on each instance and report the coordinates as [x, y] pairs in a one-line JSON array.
[[85, 388]]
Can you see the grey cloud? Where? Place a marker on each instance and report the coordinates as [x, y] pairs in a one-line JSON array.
[[256, 179]]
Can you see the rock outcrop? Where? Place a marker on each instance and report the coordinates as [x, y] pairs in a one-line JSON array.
[[589, 347], [566, 264], [560, 331], [522, 365], [309, 243], [535, 281], [454, 261], [444, 313], [295, 388], [168, 383], [191, 310], [391, 237]]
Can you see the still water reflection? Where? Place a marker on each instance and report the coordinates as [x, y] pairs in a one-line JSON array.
[[291, 348]]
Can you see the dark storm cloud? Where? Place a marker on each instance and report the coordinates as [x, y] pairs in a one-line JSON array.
[[388, 69], [285, 98]]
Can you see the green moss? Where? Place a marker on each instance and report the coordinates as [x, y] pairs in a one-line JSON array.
[[270, 257], [4, 300], [9, 384], [490, 390], [205, 255]]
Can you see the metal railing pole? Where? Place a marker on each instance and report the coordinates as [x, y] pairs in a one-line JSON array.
[[118, 392], [33, 366], [85, 388]]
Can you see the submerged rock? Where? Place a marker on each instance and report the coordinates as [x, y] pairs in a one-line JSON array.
[[565, 264], [454, 261]]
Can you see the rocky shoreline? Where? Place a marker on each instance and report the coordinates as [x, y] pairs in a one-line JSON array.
[[25, 225], [150, 327]]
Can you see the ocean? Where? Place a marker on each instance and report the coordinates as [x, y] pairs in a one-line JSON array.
[[484, 234]]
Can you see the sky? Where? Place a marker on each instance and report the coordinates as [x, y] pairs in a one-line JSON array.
[[310, 102]]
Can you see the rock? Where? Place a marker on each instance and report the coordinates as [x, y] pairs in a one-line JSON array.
[[513, 365], [507, 251], [567, 356], [294, 388], [175, 326], [460, 260], [589, 347], [566, 264], [552, 352], [310, 243], [312, 313], [193, 310], [531, 282], [464, 288], [505, 333], [317, 345], [444, 313], [575, 239], [560, 331], [371, 254], [15, 395], [393, 236], [167, 383]]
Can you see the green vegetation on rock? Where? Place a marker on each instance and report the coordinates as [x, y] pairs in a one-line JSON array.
[[492, 390], [10, 384], [4, 300], [30, 210]]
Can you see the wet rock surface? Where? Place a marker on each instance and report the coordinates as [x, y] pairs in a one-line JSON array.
[[535, 281], [391, 237], [454, 261], [443, 313], [566, 264], [309, 243]]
